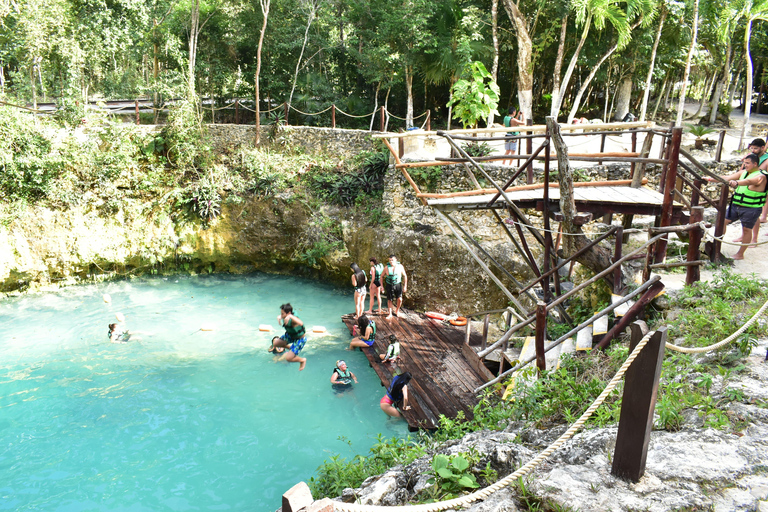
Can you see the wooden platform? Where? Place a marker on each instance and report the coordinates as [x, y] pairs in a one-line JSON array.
[[598, 200], [445, 370]]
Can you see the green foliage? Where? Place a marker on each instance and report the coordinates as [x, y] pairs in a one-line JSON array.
[[699, 130], [204, 198], [28, 164], [185, 141], [475, 97], [427, 177], [338, 473], [452, 477], [475, 149], [344, 187]]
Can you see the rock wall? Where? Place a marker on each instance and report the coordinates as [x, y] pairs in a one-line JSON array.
[[334, 141]]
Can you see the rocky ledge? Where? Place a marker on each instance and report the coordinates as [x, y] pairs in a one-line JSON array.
[[692, 469]]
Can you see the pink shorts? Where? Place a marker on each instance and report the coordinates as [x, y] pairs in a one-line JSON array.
[[386, 400]]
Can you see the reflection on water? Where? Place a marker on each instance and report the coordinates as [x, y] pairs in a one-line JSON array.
[[183, 419]]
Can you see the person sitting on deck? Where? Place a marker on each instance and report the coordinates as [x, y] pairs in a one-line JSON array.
[[397, 393], [342, 376], [393, 351], [367, 328]]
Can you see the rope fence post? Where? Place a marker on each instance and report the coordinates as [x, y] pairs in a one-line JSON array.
[[429, 120], [136, 106], [333, 116], [237, 111], [717, 245], [285, 105], [641, 384], [602, 147], [668, 190], [719, 150]]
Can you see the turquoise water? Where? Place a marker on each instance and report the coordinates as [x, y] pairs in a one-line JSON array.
[[182, 419]]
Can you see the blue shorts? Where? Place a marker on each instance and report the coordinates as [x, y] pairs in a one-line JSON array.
[[747, 216], [295, 345], [368, 342]]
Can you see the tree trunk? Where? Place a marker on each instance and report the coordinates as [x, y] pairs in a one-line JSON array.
[[310, 18], [495, 35], [194, 27], [524, 52], [695, 31], [409, 94], [555, 107], [265, 12], [647, 91], [623, 97], [596, 258], [704, 95], [721, 84], [375, 104], [745, 129], [571, 67], [662, 92]]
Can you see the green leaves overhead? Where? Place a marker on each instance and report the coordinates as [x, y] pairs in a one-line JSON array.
[[475, 97]]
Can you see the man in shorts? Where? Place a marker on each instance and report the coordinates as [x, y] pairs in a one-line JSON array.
[[294, 338], [513, 118], [396, 281], [748, 199], [757, 147]]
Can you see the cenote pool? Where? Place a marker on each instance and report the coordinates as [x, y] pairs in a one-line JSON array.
[[182, 419]]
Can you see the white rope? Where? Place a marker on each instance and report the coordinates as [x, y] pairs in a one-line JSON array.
[[699, 350], [350, 115], [527, 468], [308, 114], [402, 118], [721, 240]]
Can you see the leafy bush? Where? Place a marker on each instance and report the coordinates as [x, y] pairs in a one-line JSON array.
[[477, 149], [426, 177], [451, 477]]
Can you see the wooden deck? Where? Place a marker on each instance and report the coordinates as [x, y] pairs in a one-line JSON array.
[[445, 370], [598, 200]]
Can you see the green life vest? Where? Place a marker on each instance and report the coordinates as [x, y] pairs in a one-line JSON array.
[[373, 331], [393, 273], [750, 198], [378, 268], [344, 377], [763, 159], [393, 350], [295, 332]]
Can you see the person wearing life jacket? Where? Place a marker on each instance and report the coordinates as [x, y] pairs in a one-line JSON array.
[[748, 199], [396, 281], [358, 283], [342, 376], [393, 351], [376, 270], [757, 147], [396, 394], [294, 338], [367, 328]]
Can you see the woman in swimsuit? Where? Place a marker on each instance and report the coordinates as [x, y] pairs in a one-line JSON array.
[[358, 283], [376, 270], [397, 393], [368, 329]]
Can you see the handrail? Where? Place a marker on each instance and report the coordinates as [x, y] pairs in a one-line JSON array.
[[536, 128], [520, 170], [567, 295], [576, 329]]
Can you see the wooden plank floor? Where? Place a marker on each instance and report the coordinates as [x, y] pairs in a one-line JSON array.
[[443, 378], [599, 199]]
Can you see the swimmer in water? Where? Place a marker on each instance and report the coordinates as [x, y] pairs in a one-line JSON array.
[[342, 375]]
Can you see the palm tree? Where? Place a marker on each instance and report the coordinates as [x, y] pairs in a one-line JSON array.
[[753, 10]]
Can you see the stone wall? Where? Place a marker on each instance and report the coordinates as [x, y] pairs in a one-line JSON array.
[[334, 141]]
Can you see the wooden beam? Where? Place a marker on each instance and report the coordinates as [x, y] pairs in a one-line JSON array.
[[641, 384], [537, 128]]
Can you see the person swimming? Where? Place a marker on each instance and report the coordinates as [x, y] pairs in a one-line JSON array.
[[341, 375]]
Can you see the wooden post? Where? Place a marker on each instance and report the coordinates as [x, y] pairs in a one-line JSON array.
[[237, 111], [486, 321], [617, 257], [602, 147], [541, 335], [285, 105], [719, 150], [547, 231], [333, 116], [720, 224], [669, 195], [696, 192], [634, 148], [529, 149], [641, 384], [429, 120], [400, 147], [381, 121], [633, 312], [468, 331], [693, 274], [136, 105]]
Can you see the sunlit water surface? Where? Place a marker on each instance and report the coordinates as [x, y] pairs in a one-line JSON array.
[[183, 419]]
